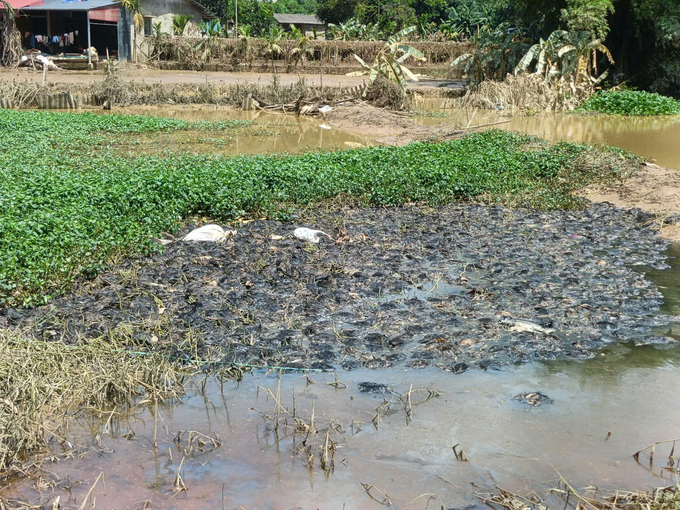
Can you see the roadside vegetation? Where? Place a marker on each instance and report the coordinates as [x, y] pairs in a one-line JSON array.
[[631, 102], [66, 209]]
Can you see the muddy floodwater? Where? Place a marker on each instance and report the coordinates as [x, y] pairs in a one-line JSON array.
[[602, 411], [652, 137], [271, 133], [602, 403]]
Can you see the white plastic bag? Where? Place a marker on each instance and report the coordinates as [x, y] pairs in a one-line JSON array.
[[209, 233], [308, 234]]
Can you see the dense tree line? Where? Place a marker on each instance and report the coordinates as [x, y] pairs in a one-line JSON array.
[[642, 35]]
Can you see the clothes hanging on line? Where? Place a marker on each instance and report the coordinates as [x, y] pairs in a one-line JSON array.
[[65, 39]]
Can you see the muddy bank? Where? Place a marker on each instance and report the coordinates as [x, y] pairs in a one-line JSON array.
[[387, 127], [654, 189], [459, 288]]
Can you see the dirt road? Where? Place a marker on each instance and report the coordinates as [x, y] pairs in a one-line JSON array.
[[145, 75]]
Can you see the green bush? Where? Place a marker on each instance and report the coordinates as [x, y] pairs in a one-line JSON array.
[[65, 207], [631, 102]]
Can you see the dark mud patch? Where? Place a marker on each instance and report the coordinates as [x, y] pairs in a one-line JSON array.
[[460, 287], [374, 388], [533, 398]]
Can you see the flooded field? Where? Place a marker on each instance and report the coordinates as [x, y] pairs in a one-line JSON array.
[[600, 415], [429, 353], [271, 133], [396, 434], [653, 137]]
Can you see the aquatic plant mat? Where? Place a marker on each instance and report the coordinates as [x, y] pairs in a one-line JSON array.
[[631, 102], [73, 200]]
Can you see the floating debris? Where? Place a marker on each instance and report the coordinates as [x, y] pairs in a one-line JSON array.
[[533, 398], [308, 234], [375, 388], [461, 287], [209, 233]]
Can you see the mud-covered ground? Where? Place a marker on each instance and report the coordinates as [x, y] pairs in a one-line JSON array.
[[458, 287]]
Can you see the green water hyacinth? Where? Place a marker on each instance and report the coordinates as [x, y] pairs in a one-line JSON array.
[[66, 209], [631, 102]]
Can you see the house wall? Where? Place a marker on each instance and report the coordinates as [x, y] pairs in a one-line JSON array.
[[306, 28], [159, 11]]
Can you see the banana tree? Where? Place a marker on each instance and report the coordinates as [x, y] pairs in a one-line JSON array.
[[389, 61], [245, 44], [179, 23], [273, 41], [302, 50], [10, 38], [568, 55], [496, 53], [135, 8], [208, 46]]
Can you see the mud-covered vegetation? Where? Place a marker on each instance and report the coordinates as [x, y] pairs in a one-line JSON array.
[[47, 385], [67, 208], [631, 102], [248, 53], [121, 93]]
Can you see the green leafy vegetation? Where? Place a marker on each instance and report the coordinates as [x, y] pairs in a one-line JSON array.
[[66, 208], [631, 102]]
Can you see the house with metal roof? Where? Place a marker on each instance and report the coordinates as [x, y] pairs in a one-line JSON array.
[[68, 27], [305, 22]]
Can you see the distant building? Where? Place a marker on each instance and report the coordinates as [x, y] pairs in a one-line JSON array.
[[69, 26], [304, 22]]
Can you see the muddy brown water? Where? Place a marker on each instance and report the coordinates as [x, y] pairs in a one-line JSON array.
[[652, 137], [507, 443], [272, 133]]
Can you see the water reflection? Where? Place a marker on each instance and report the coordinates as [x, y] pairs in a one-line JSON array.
[[271, 133], [653, 137]]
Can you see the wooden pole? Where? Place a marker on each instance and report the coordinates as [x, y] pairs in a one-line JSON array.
[[89, 43]]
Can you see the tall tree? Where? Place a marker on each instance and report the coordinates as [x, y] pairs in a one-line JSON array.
[[336, 11]]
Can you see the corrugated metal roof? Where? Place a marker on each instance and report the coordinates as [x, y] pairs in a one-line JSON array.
[[80, 5], [302, 19], [206, 13], [60, 5], [20, 4]]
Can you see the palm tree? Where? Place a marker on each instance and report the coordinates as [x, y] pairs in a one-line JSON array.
[[179, 23], [134, 7], [273, 39]]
